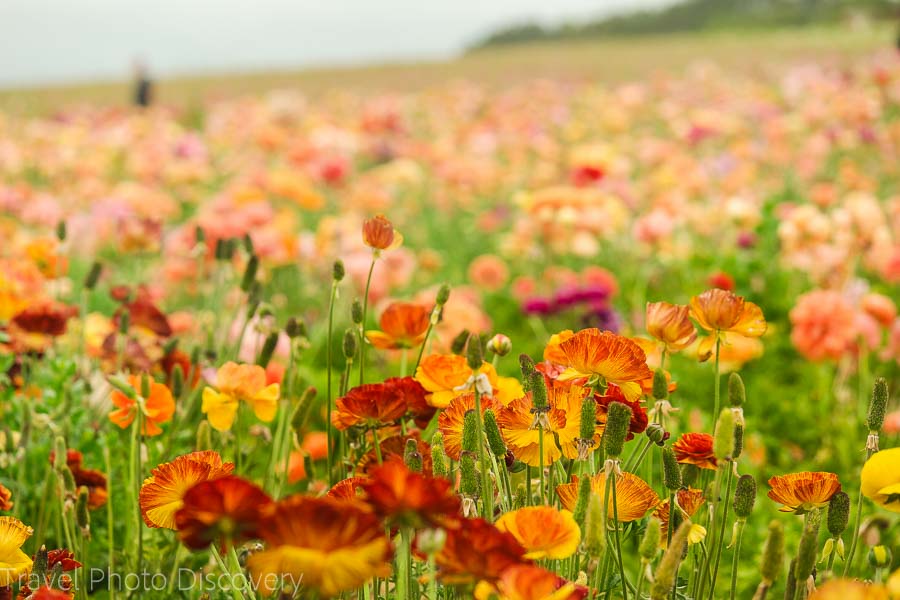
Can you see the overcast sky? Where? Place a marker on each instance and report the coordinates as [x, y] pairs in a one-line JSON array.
[[44, 41]]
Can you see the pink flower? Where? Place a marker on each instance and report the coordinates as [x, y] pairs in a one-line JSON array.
[[824, 325]]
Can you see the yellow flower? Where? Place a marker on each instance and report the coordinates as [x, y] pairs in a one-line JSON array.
[[235, 383], [544, 531], [13, 562], [446, 376], [720, 312], [881, 479], [634, 497]]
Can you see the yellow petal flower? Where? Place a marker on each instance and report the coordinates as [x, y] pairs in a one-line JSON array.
[[13, 562], [219, 408], [265, 403], [881, 479]]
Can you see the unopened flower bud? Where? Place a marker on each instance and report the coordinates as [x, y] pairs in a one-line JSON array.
[[302, 410], [295, 327], [656, 434], [458, 345], [878, 405], [492, 431], [527, 366], [470, 432], [68, 481], [723, 442], [350, 344], [650, 542], [61, 231], [93, 276], [145, 386], [588, 418], [538, 388], [474, 353], [660, 385], [595, 534], [41, 563], [337, 270], [82, 512], [356, 312], [438, 457], [59, 453], [268, 348], [738, 442], [443, 295], [618, 419], [124, 322], [664, 578], [809, 546], [500, 345], [880, 557], [838, 513], [411, 456], [250, 273], [468, 480], [177, 381], [671, 471], [204, 436], [772, 563], [581, 504], [199, 235], [744, 496]]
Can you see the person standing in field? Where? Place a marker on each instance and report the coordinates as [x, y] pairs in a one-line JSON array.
[[143, 85]]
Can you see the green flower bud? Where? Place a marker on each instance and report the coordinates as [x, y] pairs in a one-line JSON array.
[[468, 480], [177, 381], [689, 475], [492, 431], [470, 431], [595, 534], [145, 386], [68, 481], [93, 276], [618, 419], [666, 573], [527, 366], [82, 512], [474, 353], [660, 385], [838, 513], [880, 556], [723, 442], [268, 348], [295, 327], [671, 471], [248, 244], [220, 249], [650, 542], [657, 434], [59, 453], [61, 231], [738, 442], [581, 504], [356, 312], [737, 395], [199, 235], [538, 388], [350, 344], [337, 270], [458, 345], [124, 322], [411, 456], [588, 418], [250, 273], [439, 466], [809, 547], [878, 405], [500, 345], [772, 563], [41, 562], [443, 295], [204, 436], [744, 496]]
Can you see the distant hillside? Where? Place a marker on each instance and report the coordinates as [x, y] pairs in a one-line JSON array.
[[702, 15]]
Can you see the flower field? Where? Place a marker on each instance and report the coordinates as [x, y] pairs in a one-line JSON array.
[[547, 340]]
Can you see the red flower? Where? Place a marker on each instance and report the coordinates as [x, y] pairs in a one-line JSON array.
[[368, 405], [477, 551], [695, 449], [639, 418], [347, 489], [225, 510], [92, 479], [408, 497], [413, 395]]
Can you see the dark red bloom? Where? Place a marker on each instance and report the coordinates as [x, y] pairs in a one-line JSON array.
[[413, 395], [227, 510], [47, 317], [639, 419], [410, 498], [477, 550], [92, 479]]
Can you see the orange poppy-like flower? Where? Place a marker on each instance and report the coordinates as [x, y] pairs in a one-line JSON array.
[[720, 311], [410, 498], [92, 479], [450, 421], [850, 589], [544, 531], [236, 383], [615, 359], [634, 497], [6, 502], [477, 551], [347, 489], [670, 324], [552, 351], [689, 500], [47, 593], [162, 493], [368, 405], [379, 234], [324, 544], [226, 510], [44, 252], [560, 430], [446, 376], [403, 325], [695, 449], [414, 396], [530, 582], [801, 492], [156, 409]]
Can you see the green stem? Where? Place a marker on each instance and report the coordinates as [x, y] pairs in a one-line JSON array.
[[616, 534], [404, 565], [362, 340], [487, 490], [735, 559], [855, 531], [328, 398], [716, 405], [720, 540]]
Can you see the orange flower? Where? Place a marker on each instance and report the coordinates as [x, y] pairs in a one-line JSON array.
[[403, 325], [530, 582], [235, 383], [477, 551], [445, 376], [720, 311], [450, 421], [347, 489], [670, 324], [162, 493], [379, 234], [689, 500], [695, 449], [6, 502], [321, 543], [92, 479], [801, 492], [552, 351], [156, 409], [850, 589], [44, 252], [544, 531], [410, 498], [226, 510], [633, 496], [604, 355], [368, 405]]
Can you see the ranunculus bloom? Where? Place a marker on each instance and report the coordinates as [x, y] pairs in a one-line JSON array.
[[695, 449], [410, 498], [634, 497], [162, 493], [450, 421], [379, 234], [801, 492], [616, 359], [403, 325], [477, 551], [530, 582], [446, 376], [881, 479], [690, 501], [325, 544], [368, 405], [226, 510], [13, 562], [670, 324], [720, 311], [236, 383], [156, 409], [544, 531]]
